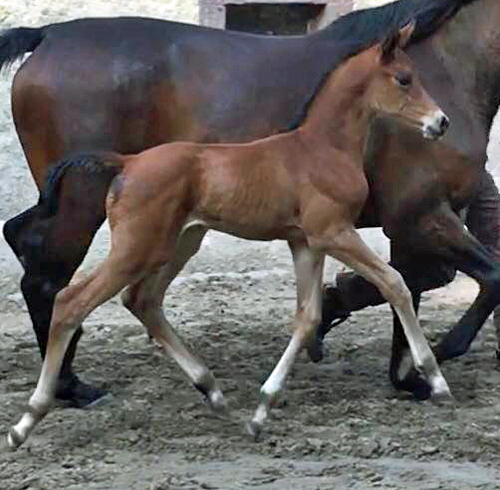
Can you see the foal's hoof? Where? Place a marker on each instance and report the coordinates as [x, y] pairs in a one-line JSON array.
[[441, 392], [254, 429], [75, 394], [217, 402], [14, 440]]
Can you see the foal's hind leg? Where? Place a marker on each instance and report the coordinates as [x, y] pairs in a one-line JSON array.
[[309, 274], [73, 304], [348, 247], [144, 300]]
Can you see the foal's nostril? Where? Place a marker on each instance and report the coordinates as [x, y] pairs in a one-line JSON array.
[[444, 123]]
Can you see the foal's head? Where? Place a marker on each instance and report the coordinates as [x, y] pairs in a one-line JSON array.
[[395, 89]]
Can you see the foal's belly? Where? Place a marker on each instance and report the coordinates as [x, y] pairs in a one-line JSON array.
[[248, 229]]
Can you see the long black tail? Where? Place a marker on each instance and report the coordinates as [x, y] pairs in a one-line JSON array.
[[98, 166], [18, 41]]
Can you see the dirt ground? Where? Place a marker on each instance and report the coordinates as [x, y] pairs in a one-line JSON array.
[[340, 426]]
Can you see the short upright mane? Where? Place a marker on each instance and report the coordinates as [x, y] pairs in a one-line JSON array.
[[363, 28]]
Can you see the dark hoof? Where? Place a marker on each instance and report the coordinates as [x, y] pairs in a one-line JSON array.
[[415, 384], [497, 354], [76, 394], [333, 313], [315, 350]]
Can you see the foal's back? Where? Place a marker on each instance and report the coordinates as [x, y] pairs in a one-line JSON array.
[[249, 190]]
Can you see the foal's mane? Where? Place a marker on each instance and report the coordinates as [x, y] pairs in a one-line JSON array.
[[361, 29]]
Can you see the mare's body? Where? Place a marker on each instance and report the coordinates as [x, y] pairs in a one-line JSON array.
[[129, 84]]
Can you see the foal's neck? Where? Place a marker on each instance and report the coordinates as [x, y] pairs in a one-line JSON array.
[[339, 116]]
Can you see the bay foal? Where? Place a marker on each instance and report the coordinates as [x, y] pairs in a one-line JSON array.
[[307, 187]]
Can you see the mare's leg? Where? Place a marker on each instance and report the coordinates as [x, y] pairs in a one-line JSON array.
[[478, 260], [353, 292], [72, 305], [13, 227], [144, 301], [441, 231], [348, 247], [51, 247], [483, 221], [309, 271]]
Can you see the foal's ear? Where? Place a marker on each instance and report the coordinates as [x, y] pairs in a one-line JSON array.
[[388, 48], [397, 40], [405, 34]]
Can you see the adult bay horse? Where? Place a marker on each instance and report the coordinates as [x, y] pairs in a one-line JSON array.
[[127, 84], [306, 186]]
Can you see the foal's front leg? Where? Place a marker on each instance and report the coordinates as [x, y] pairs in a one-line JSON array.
[[347, 246], [309, 275]]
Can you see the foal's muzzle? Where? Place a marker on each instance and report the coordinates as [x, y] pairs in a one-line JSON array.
[[434, 126]]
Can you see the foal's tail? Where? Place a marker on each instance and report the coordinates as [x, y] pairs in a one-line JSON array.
[[15, 42], [105, 165]]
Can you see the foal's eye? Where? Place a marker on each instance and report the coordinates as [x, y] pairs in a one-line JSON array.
[[403, 79]]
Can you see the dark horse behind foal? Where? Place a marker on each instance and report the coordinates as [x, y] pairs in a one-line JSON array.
[[127, 84]]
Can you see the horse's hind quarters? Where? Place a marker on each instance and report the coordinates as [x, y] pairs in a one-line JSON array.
[[435, 125]]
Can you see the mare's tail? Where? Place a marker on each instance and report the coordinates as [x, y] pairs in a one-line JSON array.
[[15, 42], [99, 166]]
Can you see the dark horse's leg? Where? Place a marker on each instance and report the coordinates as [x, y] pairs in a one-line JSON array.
[[442, 231], [50, 248], [352, 293], [483, 220]]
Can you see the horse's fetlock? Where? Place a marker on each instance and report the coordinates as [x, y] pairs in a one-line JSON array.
[[39, 406], [205, 382]]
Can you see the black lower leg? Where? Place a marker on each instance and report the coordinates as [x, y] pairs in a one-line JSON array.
[[353, 293], [410, 380], [39, 294]]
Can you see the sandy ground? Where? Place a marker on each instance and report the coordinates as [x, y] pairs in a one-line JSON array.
[[341, 425]]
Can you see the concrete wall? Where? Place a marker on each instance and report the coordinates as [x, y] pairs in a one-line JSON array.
[[363, 4], [36, 12]]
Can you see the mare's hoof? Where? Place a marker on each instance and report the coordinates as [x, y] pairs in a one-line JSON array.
[[254, 429], [497, 354], [333, 314], [76, 394], [413, 382], [315, 350]]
